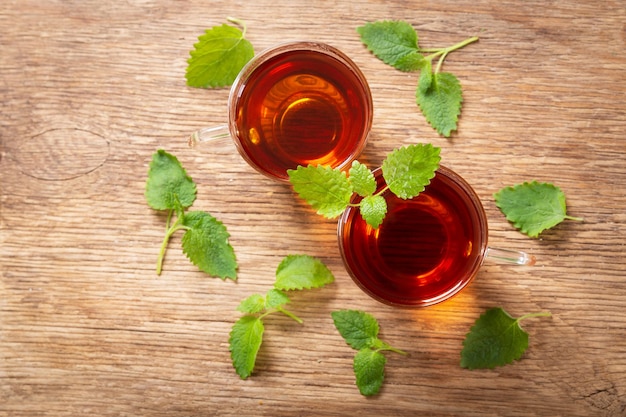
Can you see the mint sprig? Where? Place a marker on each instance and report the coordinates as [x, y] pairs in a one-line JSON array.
[[218, 56], [533, 207], [496, 339], [438, 94], [360, 331], [407, 171], [295, 272], [205, 240]]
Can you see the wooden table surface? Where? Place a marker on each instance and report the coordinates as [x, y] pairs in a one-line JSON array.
[[91, 89]]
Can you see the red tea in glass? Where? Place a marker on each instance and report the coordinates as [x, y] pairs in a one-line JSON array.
[[298, 104], [426, 250]]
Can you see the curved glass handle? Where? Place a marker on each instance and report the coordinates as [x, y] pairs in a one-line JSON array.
[[208, 134], [510, 256]]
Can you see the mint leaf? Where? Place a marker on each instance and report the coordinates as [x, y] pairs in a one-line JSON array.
[[369, 369], [411, 62], [390, 41], [496, 339], [253, 304], [298, 272], [168, 184], [362, 179], [373, 210], [426, 78], [441, 102], [206, 245], [245, 341], [218, 57], [327, 190], [359, 329], [275, 299], [533, 207], [408, 170]]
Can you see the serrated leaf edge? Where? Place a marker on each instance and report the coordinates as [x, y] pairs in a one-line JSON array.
[[245, 373], [384, 22], [195, 53], [375, 388], [318, 264], [444, 132], [516, 322], [151, 166], [516, 222], [227, 245]]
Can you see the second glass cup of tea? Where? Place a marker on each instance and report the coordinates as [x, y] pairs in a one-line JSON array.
[[298, 103], [427, 249]]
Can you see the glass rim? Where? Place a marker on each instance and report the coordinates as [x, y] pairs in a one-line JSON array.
[[239, 85]]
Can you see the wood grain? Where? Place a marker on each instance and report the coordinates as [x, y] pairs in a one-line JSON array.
[[89, 90]]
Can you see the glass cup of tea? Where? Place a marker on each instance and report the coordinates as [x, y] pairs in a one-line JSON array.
[[427, 249], [297, 103]]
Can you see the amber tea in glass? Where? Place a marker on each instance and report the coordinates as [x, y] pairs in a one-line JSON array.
[[426, 250], [297, 104]]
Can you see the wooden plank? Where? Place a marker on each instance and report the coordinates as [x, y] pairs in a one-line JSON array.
[[91, 89]]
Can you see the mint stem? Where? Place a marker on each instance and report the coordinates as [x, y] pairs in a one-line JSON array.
[[170, 214], [282, 310], [289, 314], [159, 267], [393, 349], [168, 234], [382, 190], [578, 219], [240, 23], [443, 52], [529, 315]]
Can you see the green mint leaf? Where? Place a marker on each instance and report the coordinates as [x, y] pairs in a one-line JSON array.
[[426, 78], [373, 209], [275, 298], [441, 102], [218, 57], [205, 243], [496, 339], [168, 186], [298, 272], [327, 190], [533, 207], [253, 304], [362, 179], [369, 369], [412, 62], [359, 329], [245, 341], [408, 170], [391, 41]]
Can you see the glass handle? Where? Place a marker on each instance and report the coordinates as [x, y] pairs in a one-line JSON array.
[[510, 256], [208, 134]]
